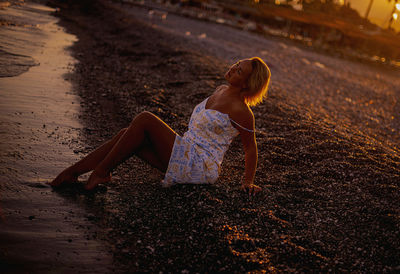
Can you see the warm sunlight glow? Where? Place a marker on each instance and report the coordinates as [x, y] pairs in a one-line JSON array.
[[277, 2], [380, 13], [395, 16], [256, 1]]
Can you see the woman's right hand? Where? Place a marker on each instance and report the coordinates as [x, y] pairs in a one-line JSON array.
[[252, 189]]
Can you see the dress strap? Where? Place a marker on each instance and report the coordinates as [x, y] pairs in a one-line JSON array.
[[246, 129]]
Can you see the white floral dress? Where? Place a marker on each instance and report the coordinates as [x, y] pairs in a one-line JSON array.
[[197, 156]]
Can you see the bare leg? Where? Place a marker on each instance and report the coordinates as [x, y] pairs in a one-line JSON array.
[[146, 127], [149, 155], [88, 163]]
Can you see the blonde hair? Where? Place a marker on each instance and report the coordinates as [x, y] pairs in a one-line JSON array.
[[257, 82]]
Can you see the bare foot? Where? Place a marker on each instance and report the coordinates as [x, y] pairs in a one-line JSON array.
[[64, 177], [96, 179]]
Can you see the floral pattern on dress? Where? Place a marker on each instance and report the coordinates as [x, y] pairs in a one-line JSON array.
[[196, 157]]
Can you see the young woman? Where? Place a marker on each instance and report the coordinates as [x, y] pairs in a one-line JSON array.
[[197, 156]]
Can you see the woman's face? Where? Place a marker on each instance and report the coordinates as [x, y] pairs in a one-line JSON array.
[[238, 73]]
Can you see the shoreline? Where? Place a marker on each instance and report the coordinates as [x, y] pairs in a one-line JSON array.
[[40, 230]]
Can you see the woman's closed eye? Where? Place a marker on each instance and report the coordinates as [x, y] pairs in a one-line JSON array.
[[239, 70]]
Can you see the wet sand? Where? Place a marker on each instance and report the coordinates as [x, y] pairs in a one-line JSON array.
[[329, 160], [41, 231]]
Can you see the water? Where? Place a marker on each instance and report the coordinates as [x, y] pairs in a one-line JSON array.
[[21, 36], [38, 112], [39, 128]]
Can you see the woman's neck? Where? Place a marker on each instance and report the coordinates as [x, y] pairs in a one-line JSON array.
[[235, 92]]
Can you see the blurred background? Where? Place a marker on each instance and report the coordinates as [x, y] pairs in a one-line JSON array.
[[364, 29]]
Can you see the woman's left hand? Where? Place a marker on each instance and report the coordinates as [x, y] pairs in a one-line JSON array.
[[252, 189]]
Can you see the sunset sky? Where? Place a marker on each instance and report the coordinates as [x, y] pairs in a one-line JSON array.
[[380, 11]]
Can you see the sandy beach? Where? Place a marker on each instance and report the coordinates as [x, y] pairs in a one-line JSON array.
[[328, 141]]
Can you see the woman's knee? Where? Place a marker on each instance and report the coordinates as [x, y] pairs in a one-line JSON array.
[[143, 118], [122, 131], [146, 115]]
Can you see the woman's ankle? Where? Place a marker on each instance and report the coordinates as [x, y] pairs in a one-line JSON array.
[[71, 172], [97, 177], [101, 173]]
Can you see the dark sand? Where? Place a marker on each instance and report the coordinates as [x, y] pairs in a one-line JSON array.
[[328, 140]]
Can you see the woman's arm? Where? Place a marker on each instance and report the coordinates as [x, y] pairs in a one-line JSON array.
[[251, 157], [250, 150], [246, 119]]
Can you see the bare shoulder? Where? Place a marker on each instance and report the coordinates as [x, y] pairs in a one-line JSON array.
[[243, 115]]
